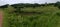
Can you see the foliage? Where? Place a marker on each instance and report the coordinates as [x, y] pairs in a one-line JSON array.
[[31, 17]]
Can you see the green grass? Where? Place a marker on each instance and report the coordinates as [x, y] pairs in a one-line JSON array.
[[49, 18]]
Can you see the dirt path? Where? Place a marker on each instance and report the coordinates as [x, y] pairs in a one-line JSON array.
[[1, 17]]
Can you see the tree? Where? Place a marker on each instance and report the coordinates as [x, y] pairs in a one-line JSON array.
[[4, 6], [57, 4]]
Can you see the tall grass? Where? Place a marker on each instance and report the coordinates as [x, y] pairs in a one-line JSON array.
[[49, 18]]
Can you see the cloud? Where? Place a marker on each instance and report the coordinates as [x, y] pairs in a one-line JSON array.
[[2, 2]]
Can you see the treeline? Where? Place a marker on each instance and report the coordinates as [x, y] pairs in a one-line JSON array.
[[4, 6], [22, 5]]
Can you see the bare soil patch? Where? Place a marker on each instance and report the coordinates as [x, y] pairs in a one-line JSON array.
[[1, 18]]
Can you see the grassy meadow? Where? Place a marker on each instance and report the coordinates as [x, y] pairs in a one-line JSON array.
[[49, 16]]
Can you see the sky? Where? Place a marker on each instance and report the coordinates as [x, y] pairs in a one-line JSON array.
[[3, 2]]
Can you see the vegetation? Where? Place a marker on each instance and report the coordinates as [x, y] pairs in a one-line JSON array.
[[32, 15]]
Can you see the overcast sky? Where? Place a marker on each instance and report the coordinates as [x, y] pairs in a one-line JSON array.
[[2, 2]]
